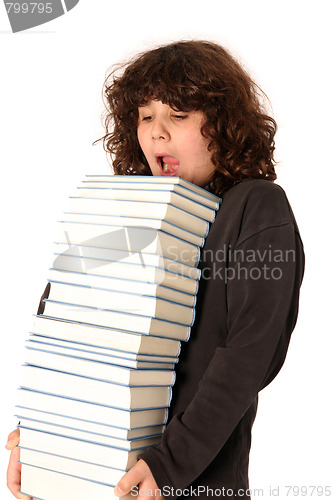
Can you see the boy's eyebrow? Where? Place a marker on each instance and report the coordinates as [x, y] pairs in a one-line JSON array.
[[146, 105], [141, 110]]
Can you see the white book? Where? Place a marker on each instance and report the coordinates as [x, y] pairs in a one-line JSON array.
[[93, 390], [119, 269], [130, 239], [144, 209], [91, 437], [200, 196], [128, 257], [98, 369], [122, 285], [83, 353], [125, 419], [110, 338], [150, 195], [99, 358], [150, 179], [115, 300], [45, 484], [69, 466], [100, 353], [33, 345], [121, 221], [133, 264], [33, 417], [106, 318], [78, 449]]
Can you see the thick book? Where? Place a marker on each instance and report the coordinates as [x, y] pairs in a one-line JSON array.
[[106, 414], [129, 257], [46, 484], [110, 338], [126, 208], [78, 449], [69, 466], [106, 318], [130, 239], [122, 285], [121, 221], [137, 180], [91, 437], [34, 417], [102, 370], [121, 301], [94, 390], [133, 360], [179, 186], [151, 195], [124, 263]]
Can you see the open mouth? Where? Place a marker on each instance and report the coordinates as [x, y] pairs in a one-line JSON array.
[[168, 165]]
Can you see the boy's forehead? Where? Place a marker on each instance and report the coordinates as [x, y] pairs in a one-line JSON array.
[[167, 94], [151, 101]]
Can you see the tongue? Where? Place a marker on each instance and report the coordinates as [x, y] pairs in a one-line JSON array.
[[170, 160]]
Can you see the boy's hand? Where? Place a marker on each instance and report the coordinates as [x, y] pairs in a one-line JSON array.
[[139, 476], [13, 439], [14, 468]]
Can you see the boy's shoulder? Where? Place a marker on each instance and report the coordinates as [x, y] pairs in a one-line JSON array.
[[257, 194], [257, 187], [258, 204]]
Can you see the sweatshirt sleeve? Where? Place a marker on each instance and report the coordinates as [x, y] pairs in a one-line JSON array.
[[262, 311], [45, 295]]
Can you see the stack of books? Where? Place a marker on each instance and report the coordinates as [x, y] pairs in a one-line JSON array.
[[100, 361]]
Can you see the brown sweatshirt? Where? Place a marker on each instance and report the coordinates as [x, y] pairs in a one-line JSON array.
[[252, 268]]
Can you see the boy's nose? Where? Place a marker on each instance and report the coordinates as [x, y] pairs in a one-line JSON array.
[[160, 131]]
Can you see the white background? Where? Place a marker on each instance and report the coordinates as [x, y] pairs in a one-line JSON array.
[[50, 106]]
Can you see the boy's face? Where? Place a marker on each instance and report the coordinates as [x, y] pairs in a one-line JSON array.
[[173, 144]]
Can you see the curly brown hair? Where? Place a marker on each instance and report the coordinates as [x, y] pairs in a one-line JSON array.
[[192, 76]]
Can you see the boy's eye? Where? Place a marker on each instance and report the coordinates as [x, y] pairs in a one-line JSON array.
[[177, 117], [180, 117]]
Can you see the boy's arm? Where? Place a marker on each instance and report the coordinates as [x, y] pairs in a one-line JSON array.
[[261, 316]]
